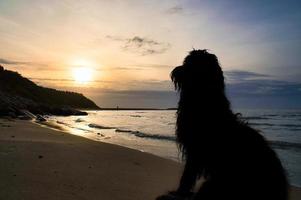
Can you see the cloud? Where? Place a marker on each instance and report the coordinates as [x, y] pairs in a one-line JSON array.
[[11, 62], [127, 68], [141, 45], [145, 46], [250, 83], [239, 75], [41, 66], [265, 87], [265, 93], [175, 10], [141, 67], [64, 80], [115, 38]]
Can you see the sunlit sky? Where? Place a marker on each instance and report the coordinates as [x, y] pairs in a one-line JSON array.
[[125, 49]]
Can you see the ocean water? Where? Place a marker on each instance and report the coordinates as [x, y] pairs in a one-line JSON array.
[[153, 132]]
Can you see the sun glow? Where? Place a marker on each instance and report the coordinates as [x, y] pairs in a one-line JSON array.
[[82, 71], [82, 74]]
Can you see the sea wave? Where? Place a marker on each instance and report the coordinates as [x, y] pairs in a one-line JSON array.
[[64, 123], [100, 126], [285, 115], [135, 116], [291, 125], [271, 115], [285, 145], [123, 131], [260, 124], [291, 115], [274, 144], [79, 120], [255, 118], [147, 135]]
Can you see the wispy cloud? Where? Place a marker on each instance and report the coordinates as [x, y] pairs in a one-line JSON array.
[[115, 38], [11, 62], [265, 93], [147, 66], [245, 83], [240, 75], [141, 45], [41, 66], [175, 10], [64, 80], [265, 87], [127, 68]]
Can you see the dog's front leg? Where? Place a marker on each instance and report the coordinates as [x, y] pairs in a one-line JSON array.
[[188, 178]]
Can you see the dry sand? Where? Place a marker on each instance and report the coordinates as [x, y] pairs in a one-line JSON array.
[[40, 163]]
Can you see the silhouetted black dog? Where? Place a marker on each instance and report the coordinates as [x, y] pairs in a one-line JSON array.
[[234, 159]]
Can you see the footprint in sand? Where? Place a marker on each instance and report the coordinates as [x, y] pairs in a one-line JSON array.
[[100, 134]]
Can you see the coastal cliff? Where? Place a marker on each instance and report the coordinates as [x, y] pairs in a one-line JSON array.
[[18, 93]]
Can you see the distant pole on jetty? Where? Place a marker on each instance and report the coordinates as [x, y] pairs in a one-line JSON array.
[[117, 108]]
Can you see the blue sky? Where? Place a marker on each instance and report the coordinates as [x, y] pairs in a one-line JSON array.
[[132, 45]]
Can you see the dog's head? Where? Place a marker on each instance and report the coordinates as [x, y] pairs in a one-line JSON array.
[[200, 69]]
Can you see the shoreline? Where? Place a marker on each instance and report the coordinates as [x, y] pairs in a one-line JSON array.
[[101, 134], [42, 163], [56, 127], [109, 134]]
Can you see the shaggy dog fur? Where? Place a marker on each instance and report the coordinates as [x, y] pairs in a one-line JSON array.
[[235, 160]]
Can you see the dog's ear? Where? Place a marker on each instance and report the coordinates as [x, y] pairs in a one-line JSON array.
[[177, 77]]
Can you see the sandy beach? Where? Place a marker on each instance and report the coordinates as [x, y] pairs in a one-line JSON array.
[[41, 163]]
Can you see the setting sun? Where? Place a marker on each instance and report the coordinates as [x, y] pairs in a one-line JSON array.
[[82, 70], [82, 74]]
